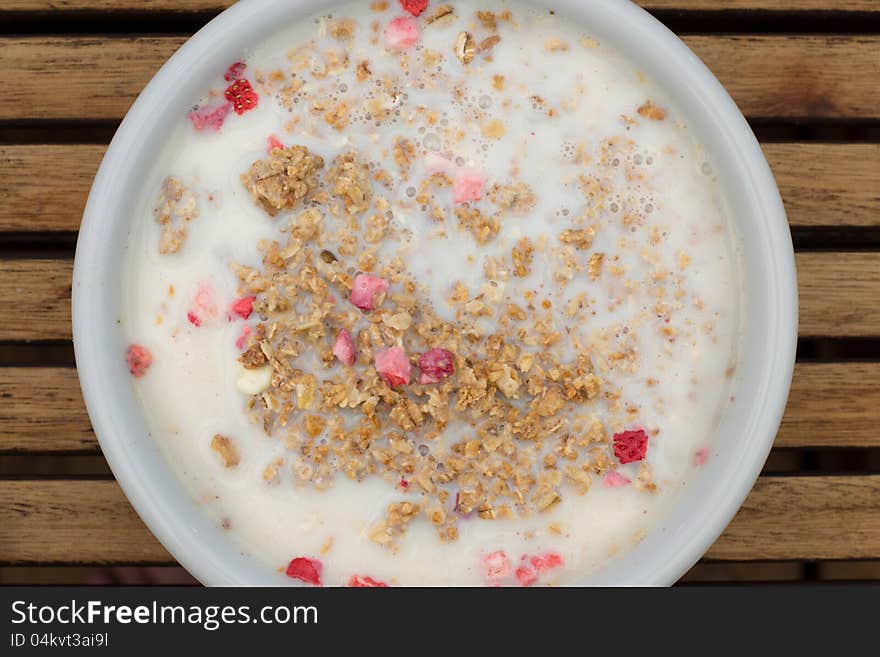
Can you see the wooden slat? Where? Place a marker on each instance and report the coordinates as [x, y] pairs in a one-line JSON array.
[[651, 5], [827, 184], [41, 410], [822, 184], [769, 76], [831, 405], [45, 187], [39, 293], [784, 518], [840, 296]]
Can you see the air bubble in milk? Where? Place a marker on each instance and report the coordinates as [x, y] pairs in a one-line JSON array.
[[459, 161], [706, 168], [432, 142], [614, 207], [410, 191], [485, 102]]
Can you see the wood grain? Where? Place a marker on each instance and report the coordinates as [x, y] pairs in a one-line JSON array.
[[822, 184], [804, 76], [839, 296], [41, 410], [785, 518], [39, 293], [831, 405], [651, 5]]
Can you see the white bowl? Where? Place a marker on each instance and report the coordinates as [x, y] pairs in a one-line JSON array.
[[746, 432]]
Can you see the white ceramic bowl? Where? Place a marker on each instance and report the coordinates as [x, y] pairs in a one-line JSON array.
[[746, 432]]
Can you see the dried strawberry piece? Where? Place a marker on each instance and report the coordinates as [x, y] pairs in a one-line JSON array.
[[139, 360], [435, 364], [365, 289], [362, 581], [235, 71], [402, 33], [436, 163], [203, 306], [241, 340], [242, 96], [701, 456], [305, 569], [630, 446], [275, 143], [210, 118], [526, 576], [497, 565], [415, 7], [467, 185], [194, 319], [343, 348], [243, 307], [614, 480], [393, 366], [546, 561]]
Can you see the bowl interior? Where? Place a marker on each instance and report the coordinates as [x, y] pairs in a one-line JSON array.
[[746, 431]]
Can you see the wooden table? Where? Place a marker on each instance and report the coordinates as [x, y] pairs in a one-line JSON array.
[[805, 72]]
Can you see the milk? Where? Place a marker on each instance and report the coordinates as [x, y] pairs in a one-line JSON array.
[[662, 177]]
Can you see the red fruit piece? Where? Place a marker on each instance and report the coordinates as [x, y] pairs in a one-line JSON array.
[[243, 307], [242, 96], [343, 348], [497, 565], [631, 446], [235, 71], [614, 480], [402, 33], [275, 143], [467, 185], [701, 456], [194, 319], [546, 561], [139, 360], [305, 569], [210, 118], [435, 364], [526, 576], [362, 581], [393, 366], [243, 336], [415, 7], [203, 306], [365, 290]]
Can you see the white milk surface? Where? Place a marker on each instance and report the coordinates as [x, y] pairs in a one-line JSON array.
[[677, 247]]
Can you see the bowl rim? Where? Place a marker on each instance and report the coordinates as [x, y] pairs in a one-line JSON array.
[[109, 406]]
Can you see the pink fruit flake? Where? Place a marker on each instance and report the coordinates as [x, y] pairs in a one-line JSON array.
[[235, 71], [402, 33], [467, 185], [203, 306], [362, 581], [630, 446], [497, 565], [701, 456], [274, 143], [393, 366], [139, 360], [306, 570], [194, 319], [546, 561], [243, 307], [526, 576], [415, 7], [365, 289], [241, 340], [209, 118], [614, 480], [435, 364], [343, 348]]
